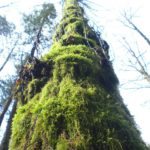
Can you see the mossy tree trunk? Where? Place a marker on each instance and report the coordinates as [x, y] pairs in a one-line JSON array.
[[75, 103]]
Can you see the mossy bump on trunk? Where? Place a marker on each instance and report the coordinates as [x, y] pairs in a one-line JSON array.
[[76, 106]]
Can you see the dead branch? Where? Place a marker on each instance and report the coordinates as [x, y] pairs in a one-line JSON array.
[[131, 25], [7, 5], [8, 57], [139, 65]]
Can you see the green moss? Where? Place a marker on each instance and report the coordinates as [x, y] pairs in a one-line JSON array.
[[62, 116], [76, 26], [22, 124], [62, 144], [75, 66], [74, 30], [82, 50], [73, 58], [76, 39]]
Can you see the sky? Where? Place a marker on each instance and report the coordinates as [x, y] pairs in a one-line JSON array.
[[107, 15]]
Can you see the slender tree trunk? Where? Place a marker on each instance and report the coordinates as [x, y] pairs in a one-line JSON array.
[[6, 106], [37, 40], [5, 141]]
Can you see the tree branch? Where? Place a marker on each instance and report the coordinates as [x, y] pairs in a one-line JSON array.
[[8, 57], [7, 5], [141, 68], [134, 27]]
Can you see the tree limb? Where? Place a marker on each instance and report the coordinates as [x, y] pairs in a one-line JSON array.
[[7, 5], [141, 68], [8, 57], [134, 27]]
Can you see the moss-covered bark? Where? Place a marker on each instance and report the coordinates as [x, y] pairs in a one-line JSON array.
[[76, 104]]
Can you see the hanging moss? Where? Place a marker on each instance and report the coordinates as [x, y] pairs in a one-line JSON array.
[[76, 104]]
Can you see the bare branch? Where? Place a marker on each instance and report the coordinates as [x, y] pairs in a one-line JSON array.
[[7, 5], [8, 57], [139, 65], [131, 25]]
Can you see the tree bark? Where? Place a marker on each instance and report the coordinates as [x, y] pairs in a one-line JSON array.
[[6, 106], [5, 141]]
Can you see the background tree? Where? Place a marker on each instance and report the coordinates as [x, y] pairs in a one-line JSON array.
[[5, 96], [5, 27], [39, 26], [72, 100], [138, 59], [19, 52], [6, 32]]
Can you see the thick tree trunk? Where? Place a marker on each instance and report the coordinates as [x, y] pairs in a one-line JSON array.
[[73, 102]]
